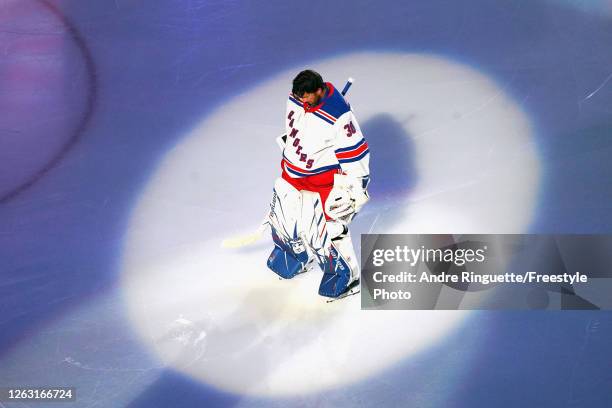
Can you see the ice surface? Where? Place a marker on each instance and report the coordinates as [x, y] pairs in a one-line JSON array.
[[96, 96]]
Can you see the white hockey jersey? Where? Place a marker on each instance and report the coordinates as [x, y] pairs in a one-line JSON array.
[[324, 137]]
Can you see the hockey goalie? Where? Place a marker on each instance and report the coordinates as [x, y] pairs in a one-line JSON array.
[[323, 185]]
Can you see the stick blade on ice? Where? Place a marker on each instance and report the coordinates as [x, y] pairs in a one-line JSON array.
[[242, 240]]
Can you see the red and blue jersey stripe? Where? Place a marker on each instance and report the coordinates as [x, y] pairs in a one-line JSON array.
[[353, 153], [317, 111], [295, 170], [321, 114]]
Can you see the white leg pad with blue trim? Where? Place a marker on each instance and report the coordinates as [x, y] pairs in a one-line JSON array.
[[298, 229]]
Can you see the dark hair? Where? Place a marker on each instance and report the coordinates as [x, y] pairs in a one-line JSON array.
[[307, 81]]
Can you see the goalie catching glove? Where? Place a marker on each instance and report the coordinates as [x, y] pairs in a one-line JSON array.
[[346, 198]]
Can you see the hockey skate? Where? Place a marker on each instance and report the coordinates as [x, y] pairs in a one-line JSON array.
[[340, 268], [352, 289]]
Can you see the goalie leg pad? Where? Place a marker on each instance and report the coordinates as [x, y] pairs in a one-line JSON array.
[[298, 225], [283, 264], [340, 267], [287, 258], [336, 274]]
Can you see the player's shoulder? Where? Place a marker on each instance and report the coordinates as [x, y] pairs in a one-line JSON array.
[[292, 101], [335, 104]]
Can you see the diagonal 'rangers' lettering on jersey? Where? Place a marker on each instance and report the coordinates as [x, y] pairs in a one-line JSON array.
[[324, 137]]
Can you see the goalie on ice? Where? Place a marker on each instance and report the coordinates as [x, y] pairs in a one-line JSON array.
[[325, 174]]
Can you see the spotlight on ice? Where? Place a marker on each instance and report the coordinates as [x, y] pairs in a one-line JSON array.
[[245, 331]]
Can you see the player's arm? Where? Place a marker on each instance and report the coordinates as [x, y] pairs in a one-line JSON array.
[[282, 139], [352, 150], [353, 155]]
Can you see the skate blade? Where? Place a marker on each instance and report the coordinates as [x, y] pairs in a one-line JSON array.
[[352, 289]]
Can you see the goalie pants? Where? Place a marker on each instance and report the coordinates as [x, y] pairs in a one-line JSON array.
[[321, 183]]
